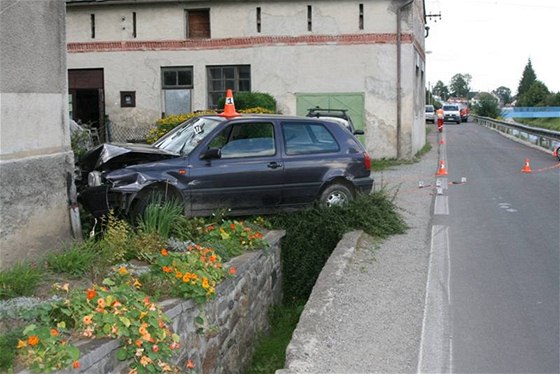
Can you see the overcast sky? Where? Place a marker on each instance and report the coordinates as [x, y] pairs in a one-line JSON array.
[[492, 41]]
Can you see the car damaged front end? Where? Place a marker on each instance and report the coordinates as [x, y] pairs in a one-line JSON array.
[[111, 175]]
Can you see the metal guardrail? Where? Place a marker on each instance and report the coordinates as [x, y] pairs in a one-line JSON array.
[[547, 139]]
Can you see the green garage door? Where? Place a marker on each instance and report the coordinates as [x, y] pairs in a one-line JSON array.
[[353, 102]]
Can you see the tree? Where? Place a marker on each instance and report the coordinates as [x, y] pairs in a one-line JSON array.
[[504, 94], [487, 106], [459, 85], [527, 79], [536, 95], [553, 99], [441, 90]]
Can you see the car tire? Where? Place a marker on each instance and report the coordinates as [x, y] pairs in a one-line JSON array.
[[336, 194], [147, 197]]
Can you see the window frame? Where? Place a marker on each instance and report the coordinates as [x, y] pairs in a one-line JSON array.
[[214, 95], [176, 69]]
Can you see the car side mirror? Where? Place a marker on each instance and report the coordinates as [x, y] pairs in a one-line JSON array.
[[211, 153], [358, 132]]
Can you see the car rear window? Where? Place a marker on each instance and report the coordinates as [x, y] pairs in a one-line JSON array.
[[305, 138]]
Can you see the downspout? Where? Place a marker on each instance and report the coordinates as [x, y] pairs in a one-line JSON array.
[[399, 88]]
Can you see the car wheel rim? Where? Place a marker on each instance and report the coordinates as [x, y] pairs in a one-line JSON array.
[[336, 198]]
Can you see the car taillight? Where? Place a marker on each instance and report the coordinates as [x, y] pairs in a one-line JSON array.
[[367, 161]]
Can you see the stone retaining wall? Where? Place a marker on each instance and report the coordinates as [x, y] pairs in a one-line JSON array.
[[232, 320]]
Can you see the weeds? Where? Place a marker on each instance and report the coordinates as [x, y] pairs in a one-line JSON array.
[[20, 280]]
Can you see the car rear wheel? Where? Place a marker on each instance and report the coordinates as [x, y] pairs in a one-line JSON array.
[[336, 195]]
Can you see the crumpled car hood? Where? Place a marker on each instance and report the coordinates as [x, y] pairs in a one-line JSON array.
[[111, 156]]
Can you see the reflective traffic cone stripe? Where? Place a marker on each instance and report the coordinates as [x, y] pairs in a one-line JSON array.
[[442, 170], [229, 106], [527, 167]]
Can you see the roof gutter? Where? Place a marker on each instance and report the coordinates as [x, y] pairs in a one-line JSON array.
[[399, 88]]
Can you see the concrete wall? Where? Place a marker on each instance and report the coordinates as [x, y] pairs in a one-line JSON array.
[[35, 154], [335, 57]]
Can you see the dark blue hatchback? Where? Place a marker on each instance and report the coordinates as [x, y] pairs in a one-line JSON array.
[[248, 164]]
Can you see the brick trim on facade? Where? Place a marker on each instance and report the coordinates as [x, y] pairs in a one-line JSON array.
[[245, 42]]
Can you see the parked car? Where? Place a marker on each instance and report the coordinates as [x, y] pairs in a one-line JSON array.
[[336, 115], [451, 113], [250, 164], [430, 113]]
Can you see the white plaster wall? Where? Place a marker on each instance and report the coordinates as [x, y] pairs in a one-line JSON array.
[[167, 21]]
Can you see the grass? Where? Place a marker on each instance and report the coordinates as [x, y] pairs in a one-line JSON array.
[[270, 354], [543, 123], [21, 280], [383, 164]]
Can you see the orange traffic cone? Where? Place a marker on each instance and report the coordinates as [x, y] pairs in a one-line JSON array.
[[229, 106], [527, 167], [441, 170]]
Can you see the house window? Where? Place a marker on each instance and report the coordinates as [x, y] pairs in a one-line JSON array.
[[221, 78], [176, 84], [361, 17], [128, 99], [134, 24], [92, 23], [198, 23], [259, 19]]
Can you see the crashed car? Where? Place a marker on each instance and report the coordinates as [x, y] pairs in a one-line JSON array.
[[248, 164]]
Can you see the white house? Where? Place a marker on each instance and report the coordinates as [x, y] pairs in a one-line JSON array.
[[138, 60]]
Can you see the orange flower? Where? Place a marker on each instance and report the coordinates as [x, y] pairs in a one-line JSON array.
[[145, 360], [146, 300], [164, 252], [232, 270], [205, 284], [87, 320], [210, 228], [138, 343], [166, 269], [33, 340], [76, 364], [91, 293], [21, 344], [190, 364], [232, 226], [213, 258], [123, 271], [101, 303], [54, 332]]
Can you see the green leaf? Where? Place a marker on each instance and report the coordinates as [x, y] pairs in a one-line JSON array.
[[122, 354], [199, 320], [29, 328], [125, 321], [108, 282], [73, 352]]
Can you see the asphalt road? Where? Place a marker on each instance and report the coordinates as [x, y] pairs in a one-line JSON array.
[[496, 239]]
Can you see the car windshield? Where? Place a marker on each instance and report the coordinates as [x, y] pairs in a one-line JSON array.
[[185, 137], [450, 107]]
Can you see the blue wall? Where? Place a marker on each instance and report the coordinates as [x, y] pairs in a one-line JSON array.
[[532, 112]]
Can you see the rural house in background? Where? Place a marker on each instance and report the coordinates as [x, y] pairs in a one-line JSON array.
[[36, 161], [136, 61]]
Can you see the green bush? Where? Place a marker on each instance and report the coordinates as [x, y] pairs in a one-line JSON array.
[[248, 100], [312, 235]]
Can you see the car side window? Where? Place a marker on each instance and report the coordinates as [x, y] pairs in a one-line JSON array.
[[246, 140], [305, 138]]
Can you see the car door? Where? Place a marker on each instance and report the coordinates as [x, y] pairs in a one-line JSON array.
[[248, 176], [311, 154]]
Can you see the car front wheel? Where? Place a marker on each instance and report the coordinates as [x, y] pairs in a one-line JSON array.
[[336, 195]]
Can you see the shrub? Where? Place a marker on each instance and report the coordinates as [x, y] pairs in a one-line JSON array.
[[249, 100], [312, 235]]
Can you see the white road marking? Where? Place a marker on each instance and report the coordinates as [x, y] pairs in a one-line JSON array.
[[441, 206], [435, 354]]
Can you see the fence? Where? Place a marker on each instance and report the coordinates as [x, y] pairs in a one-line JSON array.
[[123, 134], [531, 112], [547, 139]]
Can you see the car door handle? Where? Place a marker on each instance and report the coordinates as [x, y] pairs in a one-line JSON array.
[[274, 165]]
